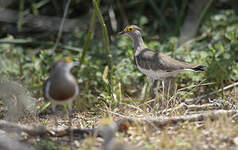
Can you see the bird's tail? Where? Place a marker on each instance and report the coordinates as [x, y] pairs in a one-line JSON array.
[[199, 68]]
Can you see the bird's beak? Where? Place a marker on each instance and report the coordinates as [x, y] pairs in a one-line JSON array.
[[122, 32]]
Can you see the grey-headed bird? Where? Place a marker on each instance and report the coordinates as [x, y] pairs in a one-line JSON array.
[[156, 66]]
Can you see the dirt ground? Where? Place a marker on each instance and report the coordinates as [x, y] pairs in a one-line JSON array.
[[210, 132]]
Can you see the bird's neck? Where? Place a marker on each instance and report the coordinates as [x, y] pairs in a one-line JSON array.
[[61, 72], [138, 44]]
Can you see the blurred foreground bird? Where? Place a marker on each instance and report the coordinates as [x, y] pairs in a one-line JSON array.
[[111, 142], [156, 66], [61, 87]]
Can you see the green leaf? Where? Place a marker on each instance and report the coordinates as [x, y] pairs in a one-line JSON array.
[[43, 107]]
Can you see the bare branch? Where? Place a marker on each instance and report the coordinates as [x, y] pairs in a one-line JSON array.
[[31, 130], [197, 99], [40, 22], [193, 107], [163, 121], [62, 25]]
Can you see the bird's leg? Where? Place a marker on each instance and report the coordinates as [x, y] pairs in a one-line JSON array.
[[54, 112], [163, 87], [70, 124], [156, 91], [155, 85], [169, 90], [163, 93], [53, 105], [151, 83]]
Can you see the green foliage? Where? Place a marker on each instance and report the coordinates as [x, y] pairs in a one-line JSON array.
[[49, 145], [221, 51], [215, 47], [107, 74]]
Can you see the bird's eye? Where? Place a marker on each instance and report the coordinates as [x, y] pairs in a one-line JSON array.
[[130, 29]]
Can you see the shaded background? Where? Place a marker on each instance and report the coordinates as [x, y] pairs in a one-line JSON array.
[[196, 31]]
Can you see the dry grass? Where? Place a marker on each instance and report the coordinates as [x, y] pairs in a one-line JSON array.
[[218, 134]]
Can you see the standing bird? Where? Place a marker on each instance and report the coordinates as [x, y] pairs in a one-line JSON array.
[[61, 87], [156, 66]]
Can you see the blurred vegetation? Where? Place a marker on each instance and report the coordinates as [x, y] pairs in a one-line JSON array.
[[26, 51]]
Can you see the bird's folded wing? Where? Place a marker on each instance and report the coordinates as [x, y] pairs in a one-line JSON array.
[[148, 59]]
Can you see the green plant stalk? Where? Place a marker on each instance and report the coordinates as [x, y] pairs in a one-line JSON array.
[[88, 37], [43, 107], [36, 6], [21, 15], [107, 43]]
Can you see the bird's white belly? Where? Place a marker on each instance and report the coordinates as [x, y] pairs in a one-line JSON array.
[[156, 74]]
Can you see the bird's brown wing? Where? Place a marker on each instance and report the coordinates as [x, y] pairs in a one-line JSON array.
[[148, 59]]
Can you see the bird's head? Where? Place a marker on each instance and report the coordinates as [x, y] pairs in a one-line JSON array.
[[63, 64], [132, 31]]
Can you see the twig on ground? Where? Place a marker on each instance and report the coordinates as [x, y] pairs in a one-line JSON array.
[[184, 106], [101, 131], [203, 107], [31, 130], [215, 114], [120, 125], [115, 113], [164, 121], [224, 103], [132, 106], [197, 99], [40, 130], [193, 86]]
